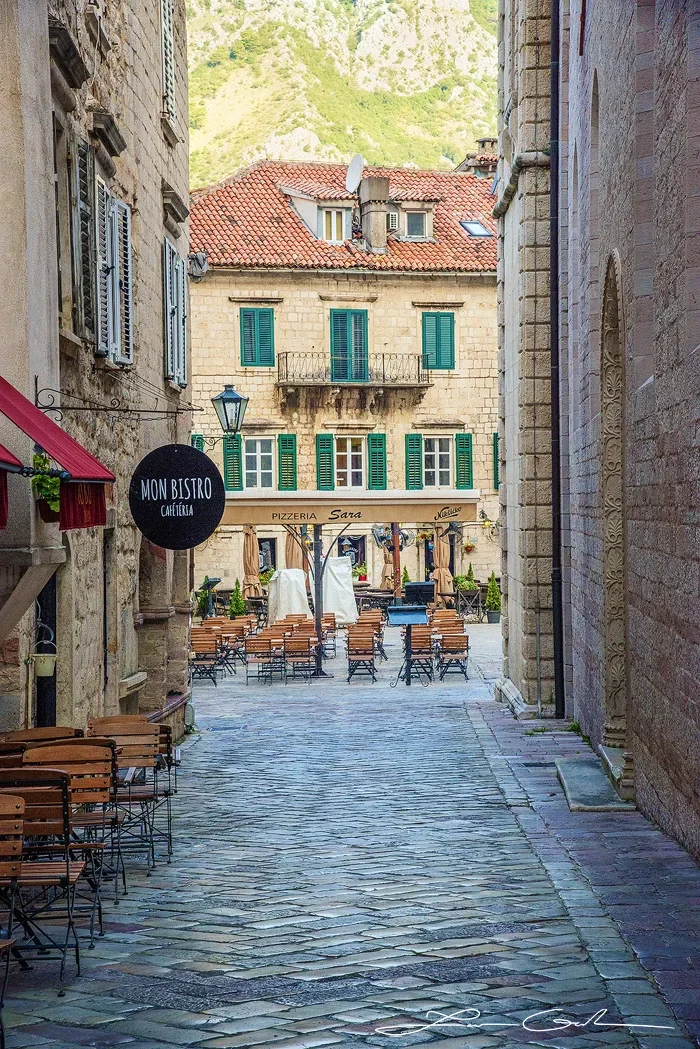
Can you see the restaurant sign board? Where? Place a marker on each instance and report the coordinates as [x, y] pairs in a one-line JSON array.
[[309, 509], [177, 497]]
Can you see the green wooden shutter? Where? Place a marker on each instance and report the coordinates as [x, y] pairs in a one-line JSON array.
[[340, 346], [287, 462], [248, 344], [414, 461], [496, 463], [446, 340], [464, 473], [359, 359], [265, 337], [233, 467], [325, 474], [376, 461], [430, 343], [197, 441]]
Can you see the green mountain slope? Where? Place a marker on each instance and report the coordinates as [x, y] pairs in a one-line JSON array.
[[400, 81]]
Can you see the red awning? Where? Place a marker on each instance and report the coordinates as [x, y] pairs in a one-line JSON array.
[[80, 464], [8, 461]]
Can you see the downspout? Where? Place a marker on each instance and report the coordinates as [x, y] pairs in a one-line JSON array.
[[557, 605]]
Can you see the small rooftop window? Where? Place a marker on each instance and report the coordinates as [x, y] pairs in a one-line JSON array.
[[415, 224], [475, 228]]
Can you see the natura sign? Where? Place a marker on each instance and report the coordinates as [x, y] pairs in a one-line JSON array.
[[177, 497]]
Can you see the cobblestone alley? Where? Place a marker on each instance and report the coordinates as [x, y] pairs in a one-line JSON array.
[[356, 864]]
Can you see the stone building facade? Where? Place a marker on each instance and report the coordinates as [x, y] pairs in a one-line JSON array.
[[94, 329], [272, 259], [629, 277]]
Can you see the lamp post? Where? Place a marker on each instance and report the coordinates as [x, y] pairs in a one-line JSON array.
[[230, 408]]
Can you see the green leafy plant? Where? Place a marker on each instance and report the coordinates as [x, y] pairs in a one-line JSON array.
[[44, 487], [266, 575], [203, 599], [493, 595], [236, 606], [405, 577]]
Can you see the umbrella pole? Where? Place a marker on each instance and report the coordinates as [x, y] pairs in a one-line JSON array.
[[318, 598], [396, 555]]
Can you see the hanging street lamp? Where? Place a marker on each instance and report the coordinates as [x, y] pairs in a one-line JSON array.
[[230, 407]]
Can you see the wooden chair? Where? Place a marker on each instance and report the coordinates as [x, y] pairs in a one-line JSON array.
[[453, 654], [206, 660], [6, 947], [43, 885], [361, 653], [259, 658], [11, 843], [36, 735], [299, 656]]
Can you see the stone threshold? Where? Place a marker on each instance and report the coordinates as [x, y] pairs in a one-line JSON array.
[[587, 787]]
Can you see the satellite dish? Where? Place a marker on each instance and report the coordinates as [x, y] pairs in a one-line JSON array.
[[352, 179]]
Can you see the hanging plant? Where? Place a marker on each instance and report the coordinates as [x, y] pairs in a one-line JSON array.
[[46, 489], [424, 535], [469, 547]]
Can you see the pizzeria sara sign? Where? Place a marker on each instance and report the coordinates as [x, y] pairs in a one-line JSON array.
[[308, 510], [177, 497]]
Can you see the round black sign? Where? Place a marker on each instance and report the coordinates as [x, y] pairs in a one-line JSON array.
[[177, 496]]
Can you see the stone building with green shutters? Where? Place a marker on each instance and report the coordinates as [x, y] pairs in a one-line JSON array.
[[363, 329]]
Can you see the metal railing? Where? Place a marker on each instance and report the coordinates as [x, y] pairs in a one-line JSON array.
[[377, 369]]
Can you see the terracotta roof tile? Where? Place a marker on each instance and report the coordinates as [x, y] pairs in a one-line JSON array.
[[248, 221]]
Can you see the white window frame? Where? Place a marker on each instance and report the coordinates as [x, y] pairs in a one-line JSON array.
[[348, 470], [167, 39], [436, 453], [337, 215], [258, 470], [424, 234], [175, 314], [115, 311]]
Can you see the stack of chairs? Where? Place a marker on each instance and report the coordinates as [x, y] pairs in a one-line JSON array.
[[287, 648], [422, 650], [330, 632], [375, 618], [365, 640], [451, 643]]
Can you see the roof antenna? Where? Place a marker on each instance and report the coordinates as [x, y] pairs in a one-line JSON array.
[[355, 168]]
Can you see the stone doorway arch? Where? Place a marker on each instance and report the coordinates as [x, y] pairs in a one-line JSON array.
[[612, 412]]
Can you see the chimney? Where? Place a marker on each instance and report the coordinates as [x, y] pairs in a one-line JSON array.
[[487, 145], [374, 196]]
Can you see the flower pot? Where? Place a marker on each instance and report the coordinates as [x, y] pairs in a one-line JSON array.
[[362, 578], [45, 512], [44, 664], [493, 617]]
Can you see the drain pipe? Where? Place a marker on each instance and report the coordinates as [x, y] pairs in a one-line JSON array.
[[557, 603]]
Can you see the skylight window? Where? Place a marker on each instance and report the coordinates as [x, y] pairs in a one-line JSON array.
[[475, 228]]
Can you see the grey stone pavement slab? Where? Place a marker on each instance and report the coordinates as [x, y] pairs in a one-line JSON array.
[[367, 866]]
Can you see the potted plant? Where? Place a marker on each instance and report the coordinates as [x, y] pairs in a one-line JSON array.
[[469, 547], [236, 606], [471, 583], [266, 575], [203, 600], [46, 489], [362, 572], [492, 604], [424, 535]]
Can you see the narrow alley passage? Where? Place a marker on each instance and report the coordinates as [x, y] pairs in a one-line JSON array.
[[352, 864]]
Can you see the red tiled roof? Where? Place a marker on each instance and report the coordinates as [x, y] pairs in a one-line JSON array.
[[248, 221]]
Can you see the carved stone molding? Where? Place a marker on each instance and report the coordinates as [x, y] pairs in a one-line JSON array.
[[612, 400]]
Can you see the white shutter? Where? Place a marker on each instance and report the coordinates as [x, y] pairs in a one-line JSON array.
[[168, 309], [103, 241], [181, 317], [168, 49], [123, 335]]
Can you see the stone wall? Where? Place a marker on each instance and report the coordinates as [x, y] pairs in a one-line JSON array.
[[464, 399]]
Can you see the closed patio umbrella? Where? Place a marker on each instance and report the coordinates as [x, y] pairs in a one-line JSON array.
[[441, 561], [387, 582], [294, 553], [251, 563]]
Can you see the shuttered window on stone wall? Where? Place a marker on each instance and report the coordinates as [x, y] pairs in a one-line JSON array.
[[414, 461], [82, 194], [438, 340], [376, 461], [464, 471], [115, 307], [167, 26], [496, 463], [197, 441], [349, 354], [233, 463], [174, 314], [257, 337], [287, 462], [325, 474]]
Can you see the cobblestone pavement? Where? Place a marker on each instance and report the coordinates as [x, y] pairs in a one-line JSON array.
[[355, 863]]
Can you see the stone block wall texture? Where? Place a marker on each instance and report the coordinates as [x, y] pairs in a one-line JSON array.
[[463, 399], [631, 173], [99, 581], [523, 293]]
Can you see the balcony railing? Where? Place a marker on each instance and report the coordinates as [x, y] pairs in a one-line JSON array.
[[378, 369]]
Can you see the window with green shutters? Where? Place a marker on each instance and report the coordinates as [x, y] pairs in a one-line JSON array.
[[197, 441], [376, 461], [464, 472], [496, 464], [287, 462], [414, 461], [349, 354], [257, 337], [438, 340], [233, 465], [325, 474]]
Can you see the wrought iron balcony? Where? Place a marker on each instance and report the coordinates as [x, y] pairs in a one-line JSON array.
[[398, 370]]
